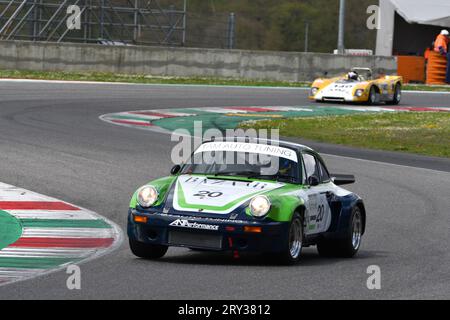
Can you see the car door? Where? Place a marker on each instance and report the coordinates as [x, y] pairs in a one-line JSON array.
[[318, 193]]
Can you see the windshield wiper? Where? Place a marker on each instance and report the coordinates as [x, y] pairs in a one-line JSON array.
[[253, 175], [236, 173], [277, 177]]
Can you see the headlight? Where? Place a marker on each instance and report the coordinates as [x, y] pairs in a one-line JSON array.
[[259, 206], [359, 92], [147, 196], [314, 91]]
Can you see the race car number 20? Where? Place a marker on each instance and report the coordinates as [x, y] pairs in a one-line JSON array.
[[203, 194]]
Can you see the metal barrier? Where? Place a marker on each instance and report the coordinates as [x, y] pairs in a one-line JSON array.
[[436, 68], [94, 21]]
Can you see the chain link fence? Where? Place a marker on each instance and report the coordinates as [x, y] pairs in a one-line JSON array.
[[118, 22]]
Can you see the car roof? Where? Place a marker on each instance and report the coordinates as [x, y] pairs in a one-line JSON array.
[[281, 143]]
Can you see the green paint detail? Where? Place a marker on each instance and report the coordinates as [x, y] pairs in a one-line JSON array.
[[162, 185], [33, 263], [129, 117], [10, 229], [182, 201], [311, 227], [63, 223], [212, 120], [283, 204]]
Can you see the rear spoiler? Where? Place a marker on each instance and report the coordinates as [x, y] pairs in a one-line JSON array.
[[343, 179]]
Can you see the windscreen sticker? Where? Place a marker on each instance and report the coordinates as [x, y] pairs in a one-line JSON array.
[[255, 148]]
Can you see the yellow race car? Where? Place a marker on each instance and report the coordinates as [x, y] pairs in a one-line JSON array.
[[358, 86]]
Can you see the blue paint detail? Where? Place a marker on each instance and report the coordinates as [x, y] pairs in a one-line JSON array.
[[342, 208]]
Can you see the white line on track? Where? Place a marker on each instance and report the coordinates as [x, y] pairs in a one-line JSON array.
[[17, 273], [54, 214], [66, 233], [385, 163], [45, 253], [192, 85]]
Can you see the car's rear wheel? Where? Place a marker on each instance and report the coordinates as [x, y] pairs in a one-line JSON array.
[[348, 246], [294, 241], [372, 96], [147, 251], [397, 95]]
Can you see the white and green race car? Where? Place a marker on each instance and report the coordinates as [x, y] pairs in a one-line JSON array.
[[254, 195]]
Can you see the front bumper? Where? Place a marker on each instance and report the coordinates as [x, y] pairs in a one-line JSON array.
[[322, 98], [207, 234]]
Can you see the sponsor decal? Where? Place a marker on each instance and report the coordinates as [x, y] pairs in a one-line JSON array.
[[193, 225], [206, 218], [256, 148]]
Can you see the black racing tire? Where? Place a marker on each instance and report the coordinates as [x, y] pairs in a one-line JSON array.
[[147, 251], [372, 96], [293, 243], [348, 246], [397, 95]]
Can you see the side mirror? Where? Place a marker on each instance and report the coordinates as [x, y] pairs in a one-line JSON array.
[[313, 181], [343, 179], [175, 170]]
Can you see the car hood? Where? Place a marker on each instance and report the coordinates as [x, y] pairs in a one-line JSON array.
[[216, 195]]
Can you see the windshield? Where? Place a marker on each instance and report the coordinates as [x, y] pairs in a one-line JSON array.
[[253, 161]]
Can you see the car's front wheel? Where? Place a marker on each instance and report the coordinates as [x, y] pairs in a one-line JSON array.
[[147, 251], [348, 246], [372, 96]]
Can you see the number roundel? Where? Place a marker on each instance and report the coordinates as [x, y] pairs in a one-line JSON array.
[[209, 194]]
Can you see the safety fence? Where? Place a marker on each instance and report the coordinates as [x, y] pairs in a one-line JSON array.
[[436, 68]]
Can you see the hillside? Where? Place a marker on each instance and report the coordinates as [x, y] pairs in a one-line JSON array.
[[278, 24]]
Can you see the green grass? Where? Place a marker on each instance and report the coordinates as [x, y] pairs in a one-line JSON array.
[[412, 132], [147, 79], [423, 87]]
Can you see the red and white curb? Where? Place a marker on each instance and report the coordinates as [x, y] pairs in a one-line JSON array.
[[53, 235], [155, 120]]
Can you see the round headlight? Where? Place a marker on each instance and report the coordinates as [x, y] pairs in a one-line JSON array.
[[147, 196], [359, 92], [314, 91], [259, 206]]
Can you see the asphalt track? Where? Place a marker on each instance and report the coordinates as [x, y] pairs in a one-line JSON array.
[[52, 142]]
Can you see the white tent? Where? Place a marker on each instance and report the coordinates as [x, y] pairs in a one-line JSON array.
[[432, 12], [428, 12]]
